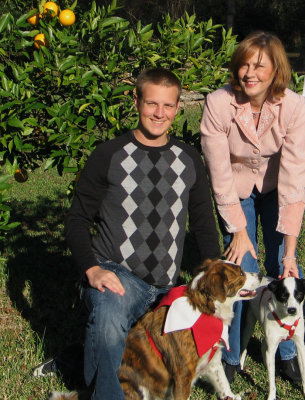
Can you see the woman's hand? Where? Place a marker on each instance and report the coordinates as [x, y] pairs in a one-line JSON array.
[[100, 279], [290, 268], [289, 259], [239, 246]]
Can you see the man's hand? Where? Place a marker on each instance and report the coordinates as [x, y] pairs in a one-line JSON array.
[[100, 279], [239, 246]]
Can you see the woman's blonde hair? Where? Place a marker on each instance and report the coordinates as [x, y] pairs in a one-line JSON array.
[[273, 47]]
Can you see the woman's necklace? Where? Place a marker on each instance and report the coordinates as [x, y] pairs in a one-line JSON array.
[[255, 114]]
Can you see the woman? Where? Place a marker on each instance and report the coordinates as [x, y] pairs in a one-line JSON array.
[[253, 140]]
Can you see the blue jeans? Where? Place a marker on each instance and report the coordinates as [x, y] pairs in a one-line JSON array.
[[265, 206], [110, 318]]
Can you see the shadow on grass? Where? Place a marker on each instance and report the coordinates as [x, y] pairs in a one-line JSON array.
[[42, 279]]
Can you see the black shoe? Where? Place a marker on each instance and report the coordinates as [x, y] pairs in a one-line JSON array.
[[289, 369], [230, 370]]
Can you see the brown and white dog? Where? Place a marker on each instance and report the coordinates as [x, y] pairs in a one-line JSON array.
[[164, 366]]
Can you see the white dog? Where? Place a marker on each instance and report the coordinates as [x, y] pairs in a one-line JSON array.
[[279, 309]]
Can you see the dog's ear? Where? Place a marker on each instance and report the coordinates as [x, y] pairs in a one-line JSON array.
[[273, 285], [208, 263], [215, 285]]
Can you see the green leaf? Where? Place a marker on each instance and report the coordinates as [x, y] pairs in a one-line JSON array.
[[83, 107], [10, 226], [49, 163], [67, 63], [111, 21], [147, 35], [145, 29], [87, 75], [90, 123], [121, 89], [18, 143], [15, 123], [4, 20], [97, 70]]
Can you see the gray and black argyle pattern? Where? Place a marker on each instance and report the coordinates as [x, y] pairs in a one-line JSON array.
[[154, 202]]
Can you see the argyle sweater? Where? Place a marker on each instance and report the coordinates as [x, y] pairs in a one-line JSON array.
[[140, 197]]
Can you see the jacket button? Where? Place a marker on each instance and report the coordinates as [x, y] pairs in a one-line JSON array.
[[254, 161], [256, 151], [255, 171]]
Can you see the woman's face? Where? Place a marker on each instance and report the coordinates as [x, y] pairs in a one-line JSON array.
[[255, 77]]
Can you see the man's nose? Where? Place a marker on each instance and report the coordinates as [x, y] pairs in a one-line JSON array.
[[159, 111]]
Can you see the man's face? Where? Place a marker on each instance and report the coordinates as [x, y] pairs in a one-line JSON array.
[[157, 109]]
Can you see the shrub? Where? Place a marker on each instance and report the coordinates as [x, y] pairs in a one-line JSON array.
[[75, 87]]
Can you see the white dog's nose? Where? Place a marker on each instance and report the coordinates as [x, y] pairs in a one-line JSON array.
[[292, 310]]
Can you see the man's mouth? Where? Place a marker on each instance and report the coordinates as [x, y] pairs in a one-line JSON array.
[[157, 122]]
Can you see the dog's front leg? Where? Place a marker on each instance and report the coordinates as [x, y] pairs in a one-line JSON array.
[[218, 379], [246, 335], [215, 374], [270, 365], [301, 356], [182, 387]]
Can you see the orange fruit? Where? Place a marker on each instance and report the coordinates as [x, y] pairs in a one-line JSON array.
[[66, 17], [34, 19], [21, 175], [40, 40], [50, 8]]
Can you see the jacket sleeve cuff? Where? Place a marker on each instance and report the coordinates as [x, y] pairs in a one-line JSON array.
[[290, 219], [233, 217]]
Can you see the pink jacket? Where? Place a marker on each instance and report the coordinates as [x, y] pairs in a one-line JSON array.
[[239, 157]]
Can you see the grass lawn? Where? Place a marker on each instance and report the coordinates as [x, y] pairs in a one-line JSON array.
[[40, 312]]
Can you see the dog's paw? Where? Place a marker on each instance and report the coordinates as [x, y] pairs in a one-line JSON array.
[[64, 396]]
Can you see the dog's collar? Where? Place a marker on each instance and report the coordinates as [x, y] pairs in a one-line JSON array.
[[290, 328]]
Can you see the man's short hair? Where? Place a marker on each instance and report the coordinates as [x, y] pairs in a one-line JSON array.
[[157, 76]]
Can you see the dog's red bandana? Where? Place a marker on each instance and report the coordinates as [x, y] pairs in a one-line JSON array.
[[207, 330]]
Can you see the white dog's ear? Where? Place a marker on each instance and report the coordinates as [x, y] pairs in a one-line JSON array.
[[273, 285]]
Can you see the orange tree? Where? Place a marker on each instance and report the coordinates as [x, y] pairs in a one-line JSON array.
[[73, 88]]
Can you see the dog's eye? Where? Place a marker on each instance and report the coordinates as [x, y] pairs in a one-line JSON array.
[[299, 296], [284, 297]]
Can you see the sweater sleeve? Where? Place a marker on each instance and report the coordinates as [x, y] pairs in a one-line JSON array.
[[85, 205], [201, 215]]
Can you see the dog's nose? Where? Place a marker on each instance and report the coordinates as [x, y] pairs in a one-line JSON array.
[[292, 310]]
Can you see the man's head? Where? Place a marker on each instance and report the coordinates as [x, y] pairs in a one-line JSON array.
[[157, 76], [157, 101]]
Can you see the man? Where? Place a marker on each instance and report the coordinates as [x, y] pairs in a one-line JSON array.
[[138, 189]]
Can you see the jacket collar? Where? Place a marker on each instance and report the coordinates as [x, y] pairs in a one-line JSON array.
[[244, 118]]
